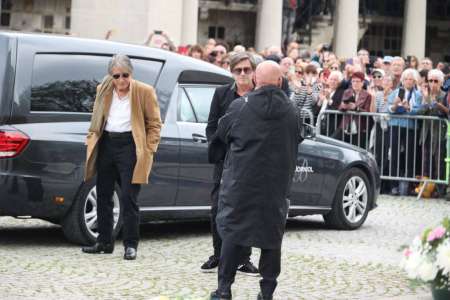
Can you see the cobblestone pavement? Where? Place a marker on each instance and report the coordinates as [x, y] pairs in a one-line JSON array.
[[317, 263]]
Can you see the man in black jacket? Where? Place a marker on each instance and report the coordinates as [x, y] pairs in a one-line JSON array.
[[262, 135], [242, 66]]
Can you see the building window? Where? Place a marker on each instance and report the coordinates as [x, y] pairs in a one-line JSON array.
[[48, 23], [216, 32], [5, 17], [67, 23]]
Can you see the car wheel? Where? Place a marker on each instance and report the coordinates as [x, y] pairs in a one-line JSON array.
[[351, 201], [80, 224]]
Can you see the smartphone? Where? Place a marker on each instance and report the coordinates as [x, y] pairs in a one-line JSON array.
[[157, 31], [401, 93]]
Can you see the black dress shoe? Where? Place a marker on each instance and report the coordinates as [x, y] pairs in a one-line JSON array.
[[261, 297], [98, 248], [130, 253], [220, 296]]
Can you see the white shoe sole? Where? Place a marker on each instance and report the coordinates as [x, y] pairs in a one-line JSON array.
[[248, 274], [209, 270]]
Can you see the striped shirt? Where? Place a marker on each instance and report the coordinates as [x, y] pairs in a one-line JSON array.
[[304, 102]]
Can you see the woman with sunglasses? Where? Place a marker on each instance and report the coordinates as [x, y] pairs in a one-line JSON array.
[[123, 137], [432, 136]]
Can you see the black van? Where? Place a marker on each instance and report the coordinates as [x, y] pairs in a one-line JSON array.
[[48, 86]]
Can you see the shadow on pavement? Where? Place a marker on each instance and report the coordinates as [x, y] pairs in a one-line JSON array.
[[46, 234]]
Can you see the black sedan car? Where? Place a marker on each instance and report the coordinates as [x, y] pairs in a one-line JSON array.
[[47, 92]]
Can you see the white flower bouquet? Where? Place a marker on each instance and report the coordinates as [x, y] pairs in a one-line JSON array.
[[427, 259]]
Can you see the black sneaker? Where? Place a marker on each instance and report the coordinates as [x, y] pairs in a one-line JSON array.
[[210, 265], [220, 296], [261, 297], [248, 269]]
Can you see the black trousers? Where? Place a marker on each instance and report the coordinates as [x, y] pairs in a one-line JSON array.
[[269, 267], [217, 241], [115, 163]]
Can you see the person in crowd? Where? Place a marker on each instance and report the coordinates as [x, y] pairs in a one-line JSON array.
[[196, 51], [242, 67], [348, 72], [376, 84], [426, 64], [364, 59], [381, 137], [423, 80], [432, 135], [274, 50], [412, 62], [225, 61], [209, 47], [387, 61], [123, 136], [442, 66], [397, 66], [404, 100], [297, 78], [378, 64], [330, 98], [293, 54], [292, 45], [238, 48], [221, 49], [160, 39], [355, 128], [323, 76], [335, 66], [306, 94], [305, 55], [286, 66], [253, 203]]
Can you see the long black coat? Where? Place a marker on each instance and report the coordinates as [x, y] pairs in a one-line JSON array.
[[262, 134]]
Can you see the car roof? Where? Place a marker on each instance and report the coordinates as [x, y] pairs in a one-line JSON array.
[[70, 44]]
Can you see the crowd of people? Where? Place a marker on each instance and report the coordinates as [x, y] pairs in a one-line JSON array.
[[319, 80]]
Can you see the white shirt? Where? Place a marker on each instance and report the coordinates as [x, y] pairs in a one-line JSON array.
[[119, 119]]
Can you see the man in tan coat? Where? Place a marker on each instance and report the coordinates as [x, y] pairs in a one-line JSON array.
[[122, 139]]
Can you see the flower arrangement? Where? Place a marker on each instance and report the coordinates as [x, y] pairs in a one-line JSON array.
[[427, 259]]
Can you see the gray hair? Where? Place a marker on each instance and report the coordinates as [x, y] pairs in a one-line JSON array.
[[436, 73], [120, 61], [241, 56], [410, 72], [338, 74]]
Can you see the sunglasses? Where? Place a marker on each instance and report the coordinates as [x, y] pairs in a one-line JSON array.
[[433, 80], [299, 72], [334, 68], [246, 70], [377, 76], [117, 76]]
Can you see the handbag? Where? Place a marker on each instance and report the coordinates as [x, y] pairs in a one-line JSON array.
[[351, 128]]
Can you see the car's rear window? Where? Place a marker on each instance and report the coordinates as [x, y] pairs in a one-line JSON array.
[[4, 58], [67, 82]]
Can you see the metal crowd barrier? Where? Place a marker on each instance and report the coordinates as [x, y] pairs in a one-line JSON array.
[[418, 153]]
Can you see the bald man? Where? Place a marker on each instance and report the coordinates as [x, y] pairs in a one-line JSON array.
[[262, 136]]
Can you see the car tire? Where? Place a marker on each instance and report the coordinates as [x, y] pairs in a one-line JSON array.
[[79, 225], [351, 202]]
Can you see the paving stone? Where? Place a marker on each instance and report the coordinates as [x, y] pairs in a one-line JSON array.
[[36, 262]]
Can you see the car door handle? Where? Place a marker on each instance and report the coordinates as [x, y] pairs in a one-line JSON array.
[[198, 138]]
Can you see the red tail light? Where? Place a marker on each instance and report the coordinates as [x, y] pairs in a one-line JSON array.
[[12, 143]]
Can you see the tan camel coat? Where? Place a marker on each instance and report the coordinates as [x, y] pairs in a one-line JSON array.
[[145, 128]]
